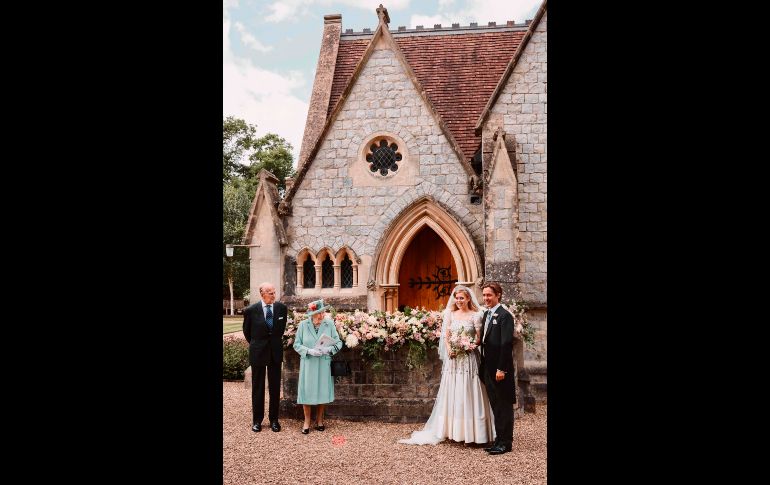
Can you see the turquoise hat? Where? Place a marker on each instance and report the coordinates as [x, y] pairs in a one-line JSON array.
[[315, 307]]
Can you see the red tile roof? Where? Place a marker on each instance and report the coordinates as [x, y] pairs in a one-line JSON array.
[[348, 55], [459, 73]]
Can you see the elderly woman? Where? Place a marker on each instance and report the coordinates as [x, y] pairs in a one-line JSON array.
[[315, 384]]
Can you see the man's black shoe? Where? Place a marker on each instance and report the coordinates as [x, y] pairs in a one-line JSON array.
[[499, 450], [494, 445]]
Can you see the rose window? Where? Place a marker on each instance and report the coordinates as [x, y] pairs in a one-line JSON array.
[[383, 157]]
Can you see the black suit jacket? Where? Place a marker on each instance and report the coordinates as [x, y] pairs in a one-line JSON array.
[[265, 346], [497, 340]]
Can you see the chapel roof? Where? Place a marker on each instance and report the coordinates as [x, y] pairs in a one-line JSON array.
[[458, 66]]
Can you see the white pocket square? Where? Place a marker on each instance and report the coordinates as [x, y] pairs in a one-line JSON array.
[[280, 318]]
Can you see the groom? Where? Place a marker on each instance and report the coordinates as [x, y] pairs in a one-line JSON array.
[[496, 367], [263, 326]]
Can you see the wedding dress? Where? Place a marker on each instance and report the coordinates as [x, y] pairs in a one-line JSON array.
[[461, 411]]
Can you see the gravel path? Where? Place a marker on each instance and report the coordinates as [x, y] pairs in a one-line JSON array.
[[368, 452]]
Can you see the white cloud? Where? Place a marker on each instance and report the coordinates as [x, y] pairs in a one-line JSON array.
[[251, 41], [260, 96], [428, 21], [283, 10], [480, 11]]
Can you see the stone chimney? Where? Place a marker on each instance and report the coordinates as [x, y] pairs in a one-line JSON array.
[[322, 85]]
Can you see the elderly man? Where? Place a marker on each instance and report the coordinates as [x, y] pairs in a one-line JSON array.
[[263, 325]]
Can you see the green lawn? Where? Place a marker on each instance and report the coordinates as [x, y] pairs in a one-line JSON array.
[[232, 324]]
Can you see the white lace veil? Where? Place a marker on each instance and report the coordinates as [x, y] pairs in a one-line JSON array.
[[447, 316]]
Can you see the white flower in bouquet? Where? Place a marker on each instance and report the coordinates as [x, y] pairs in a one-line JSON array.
[[351, 341], [461, 343]]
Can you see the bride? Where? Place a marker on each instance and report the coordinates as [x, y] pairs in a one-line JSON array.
[[461, 411]]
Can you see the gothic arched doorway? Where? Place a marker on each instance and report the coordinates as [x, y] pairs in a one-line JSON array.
[[386, 269], [427, 273]]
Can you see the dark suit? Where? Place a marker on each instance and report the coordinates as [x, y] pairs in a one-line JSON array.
[[497, 352], [265, 352]]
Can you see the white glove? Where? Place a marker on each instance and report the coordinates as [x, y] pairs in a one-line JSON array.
[[314, 352], [327, 349]]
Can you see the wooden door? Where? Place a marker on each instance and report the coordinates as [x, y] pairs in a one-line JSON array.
[[427, 273]]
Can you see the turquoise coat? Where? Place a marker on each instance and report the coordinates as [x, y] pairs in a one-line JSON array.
[[316, 385]]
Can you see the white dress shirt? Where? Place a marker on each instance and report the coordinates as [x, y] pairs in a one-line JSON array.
[[264, 309], [489, 319]]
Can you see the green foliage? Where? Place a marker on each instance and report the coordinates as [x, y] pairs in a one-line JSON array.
[[519, 311], [417, 355], [235, 358], [244, 155], [371, 353], [236, 204], [272, 153], [237, 139]]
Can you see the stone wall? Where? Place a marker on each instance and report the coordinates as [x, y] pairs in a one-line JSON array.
[[393, 394], [338, 203], [522, 110]]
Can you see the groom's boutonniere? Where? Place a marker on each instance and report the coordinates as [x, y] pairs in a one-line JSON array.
[[494, 319]]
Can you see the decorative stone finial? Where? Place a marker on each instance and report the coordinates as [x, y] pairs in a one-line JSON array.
[[474, 184], [284, 209], [382, 13]]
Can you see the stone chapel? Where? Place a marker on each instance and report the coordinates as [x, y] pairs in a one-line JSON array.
[[423, 165]]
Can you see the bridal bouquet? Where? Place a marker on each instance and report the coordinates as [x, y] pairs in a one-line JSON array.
[[462, 343]]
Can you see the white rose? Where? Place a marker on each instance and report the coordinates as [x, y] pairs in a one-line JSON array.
[[351, 341]]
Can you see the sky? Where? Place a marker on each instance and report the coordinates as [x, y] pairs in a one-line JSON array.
[[270, 48]]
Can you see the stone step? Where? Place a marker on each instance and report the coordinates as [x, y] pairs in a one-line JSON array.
[[540, 391], [538, 380]]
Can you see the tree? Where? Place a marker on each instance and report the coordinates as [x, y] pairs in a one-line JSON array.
[[243, 156], [237, 140], [236, 204], [273, 153]]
